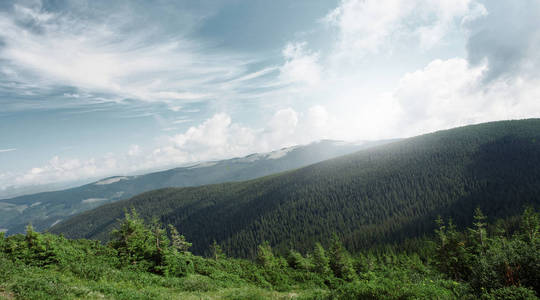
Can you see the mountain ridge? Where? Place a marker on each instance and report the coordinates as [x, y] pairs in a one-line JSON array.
[[381, 194], [47, 208]]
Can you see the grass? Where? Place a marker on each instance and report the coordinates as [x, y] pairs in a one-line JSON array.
[[21, 281]]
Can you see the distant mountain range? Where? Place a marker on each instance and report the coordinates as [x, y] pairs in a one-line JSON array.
[[48, 208], [381, 194]]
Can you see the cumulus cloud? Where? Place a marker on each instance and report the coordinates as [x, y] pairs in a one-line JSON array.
[[507, 38], [441, 94], [219, 137], [134, 150], [58, 170], [215, 138], [450, 93], [369, 26], [300, 65]]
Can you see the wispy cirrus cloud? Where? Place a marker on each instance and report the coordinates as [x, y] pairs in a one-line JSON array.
[[7, 150], [43, 50]]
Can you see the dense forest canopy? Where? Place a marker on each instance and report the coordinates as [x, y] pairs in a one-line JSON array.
[[383, 194]]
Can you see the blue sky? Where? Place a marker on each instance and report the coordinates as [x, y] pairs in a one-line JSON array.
[[90, 89]]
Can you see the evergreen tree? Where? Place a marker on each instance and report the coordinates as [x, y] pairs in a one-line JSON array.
[[265, 256], [148, 247], [297, 261], [478, 232], [178, 241], [340, 261], [320, 260], [132, 239], [530, 225], [452, 256], [216, 250]]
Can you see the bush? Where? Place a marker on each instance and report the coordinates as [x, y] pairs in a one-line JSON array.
[[198, 283], [511, 293]]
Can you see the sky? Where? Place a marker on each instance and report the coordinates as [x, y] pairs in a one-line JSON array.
[[90, 89]]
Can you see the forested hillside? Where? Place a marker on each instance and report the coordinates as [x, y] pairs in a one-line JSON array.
[[382, 194], [49, 208]]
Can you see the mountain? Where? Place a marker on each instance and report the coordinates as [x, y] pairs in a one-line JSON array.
[[381, 194], [49, 208]]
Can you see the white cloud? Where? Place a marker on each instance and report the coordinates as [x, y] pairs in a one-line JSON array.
[[219, 137], [284, 121], [98, 57], [507, 38], [450, 93], [180, 121], [56, 170], [369, 26], [441, 94], [318, 116], [216, 138], [300, 65], [175, 108], [7, 150], [365, 24], [446, 15], [212, 133], [134, 150]]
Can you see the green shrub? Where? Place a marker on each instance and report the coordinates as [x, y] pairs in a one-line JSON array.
[[511, 293], [198, 283]]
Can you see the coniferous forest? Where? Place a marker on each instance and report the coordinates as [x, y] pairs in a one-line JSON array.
[[447, 215], [384, 194]]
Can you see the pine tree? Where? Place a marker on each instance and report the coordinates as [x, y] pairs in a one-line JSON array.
[[132, 240], [340, 261], [178, 241], [216, 250], [440, 231], [320, 260], [265, 256], [479, 231], [530, 225]]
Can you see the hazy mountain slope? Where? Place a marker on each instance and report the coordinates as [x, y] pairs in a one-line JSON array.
[[379, 194], [45, 209]]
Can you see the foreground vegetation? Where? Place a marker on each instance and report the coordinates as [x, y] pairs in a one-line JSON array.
[[147, 261]]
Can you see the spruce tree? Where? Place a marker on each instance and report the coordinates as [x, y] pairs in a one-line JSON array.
[[340, 261], [216, 250], [320, 260], [178, 241]]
